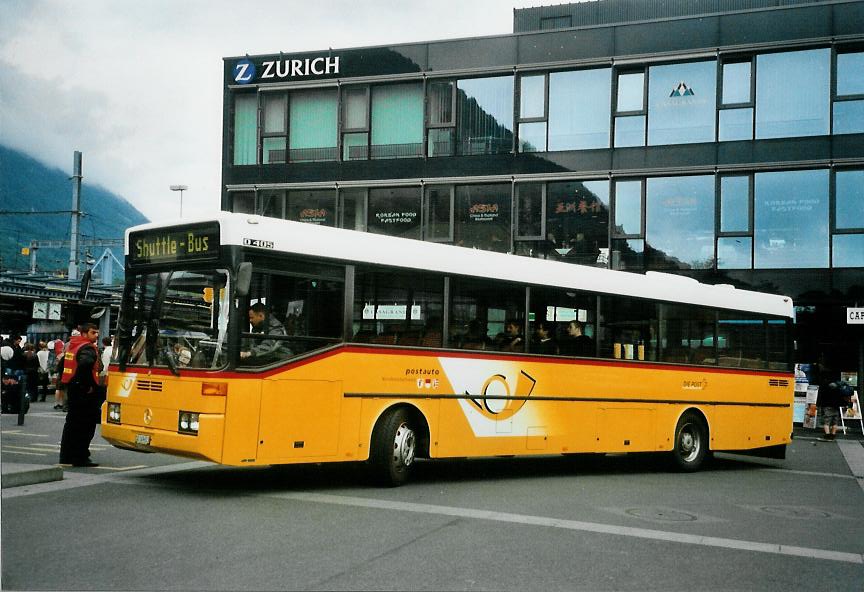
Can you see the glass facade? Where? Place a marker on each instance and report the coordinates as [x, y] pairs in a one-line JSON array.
[[791, 219], [397, 121], [679, 216], [577, 221], [482, 217], [484, 123], [682, 100], [784, 109], [313, 119], [658, 105], [579, 106]]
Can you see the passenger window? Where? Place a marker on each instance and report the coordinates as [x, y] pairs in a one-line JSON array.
[[778, 358], [687, 335], [563, 322], [487, 316], [628, 328], [395, 309], [290, 315], [740, 340]]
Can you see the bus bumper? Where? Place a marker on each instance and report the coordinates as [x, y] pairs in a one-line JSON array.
[[206, 445]]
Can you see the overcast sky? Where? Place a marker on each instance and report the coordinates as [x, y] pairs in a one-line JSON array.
[[136, 85]]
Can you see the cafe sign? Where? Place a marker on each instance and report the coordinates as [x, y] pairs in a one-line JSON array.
[[855, 316]]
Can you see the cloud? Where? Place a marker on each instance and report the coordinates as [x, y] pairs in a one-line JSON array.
[[137, 86]]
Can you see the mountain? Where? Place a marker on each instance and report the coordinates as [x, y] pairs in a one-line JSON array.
[[28, 185]]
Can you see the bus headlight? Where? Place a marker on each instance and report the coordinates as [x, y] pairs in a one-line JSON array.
[[188, 423], [113, 412]]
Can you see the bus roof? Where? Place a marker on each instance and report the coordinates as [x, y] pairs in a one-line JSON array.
[[364, 247]]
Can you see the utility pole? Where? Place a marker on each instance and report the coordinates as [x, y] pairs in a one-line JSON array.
[[76, 215]]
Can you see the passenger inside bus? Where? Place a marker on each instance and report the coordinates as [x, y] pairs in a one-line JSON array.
[[475, 336], [543, 342], [511, 338], [576, 343]]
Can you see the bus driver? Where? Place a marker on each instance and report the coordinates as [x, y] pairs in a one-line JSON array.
[[266, 350]]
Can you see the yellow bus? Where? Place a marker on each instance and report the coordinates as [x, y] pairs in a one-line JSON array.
[[246, 340]]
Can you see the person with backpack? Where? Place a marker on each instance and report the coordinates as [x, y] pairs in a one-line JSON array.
[[833, 394]]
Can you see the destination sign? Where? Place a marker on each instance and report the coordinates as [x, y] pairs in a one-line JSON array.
[[167, 245]]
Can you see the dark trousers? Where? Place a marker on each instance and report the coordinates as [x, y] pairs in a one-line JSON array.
[[80, 425]]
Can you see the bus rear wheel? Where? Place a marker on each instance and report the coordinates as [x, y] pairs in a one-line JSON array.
[[394, 448], [691, 442]]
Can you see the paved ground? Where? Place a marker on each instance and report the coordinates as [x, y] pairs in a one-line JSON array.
[[616, 523]]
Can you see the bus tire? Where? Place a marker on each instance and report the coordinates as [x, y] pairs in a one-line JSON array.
[[690, 446], [394, 447]]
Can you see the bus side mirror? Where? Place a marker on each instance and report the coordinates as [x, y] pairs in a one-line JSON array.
[[244, 279]]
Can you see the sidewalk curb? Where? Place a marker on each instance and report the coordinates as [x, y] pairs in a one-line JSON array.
[[19, 475]]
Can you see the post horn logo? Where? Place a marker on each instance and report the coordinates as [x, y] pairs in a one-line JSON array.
[[496, 401]]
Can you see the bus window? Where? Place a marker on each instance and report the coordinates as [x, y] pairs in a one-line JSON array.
[[487, 315], [687, 335], [398, 309], [740, 340], [776, 334], [570, 318], [628, 328], [290, 315], [176, 319]]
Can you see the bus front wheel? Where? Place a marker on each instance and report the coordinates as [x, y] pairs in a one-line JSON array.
[[394, 447], [691, 442]]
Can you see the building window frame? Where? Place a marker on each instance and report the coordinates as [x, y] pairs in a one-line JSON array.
[[518, 233], [740, 105], [719, 233], [833, 229], [617, 238], [836, 97], [345, 130], [522, 120], [427, 214], [264, 135], [618, 114], [432, 128]]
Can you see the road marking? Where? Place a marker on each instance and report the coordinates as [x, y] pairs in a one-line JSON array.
[[642, 533], [853, 452], [809, 473], [27, 453], [32, 435], [10, 431], [11, 447], [73, 479], [103, 468]]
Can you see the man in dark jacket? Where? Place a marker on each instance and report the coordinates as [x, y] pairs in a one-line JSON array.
[[81, 368], [832, 396]]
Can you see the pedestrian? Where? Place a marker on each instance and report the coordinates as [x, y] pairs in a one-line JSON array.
[[42, 355], [60, 388], [81, 366], [832, 396], [107, 350], [31, 371]]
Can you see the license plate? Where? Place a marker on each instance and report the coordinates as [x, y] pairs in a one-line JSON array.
[[142, 439]]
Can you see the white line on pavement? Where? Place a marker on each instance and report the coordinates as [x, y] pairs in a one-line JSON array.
[[853, 452], [659, 535]]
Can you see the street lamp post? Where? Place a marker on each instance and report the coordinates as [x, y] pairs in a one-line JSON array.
[[181, 189]]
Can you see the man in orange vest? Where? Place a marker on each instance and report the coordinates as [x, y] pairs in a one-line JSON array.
[[81, 368]]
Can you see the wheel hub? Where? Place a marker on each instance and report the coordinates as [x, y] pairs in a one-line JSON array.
[[404, 445]]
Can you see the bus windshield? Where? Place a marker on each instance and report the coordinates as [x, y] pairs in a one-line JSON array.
[[176, 319]]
